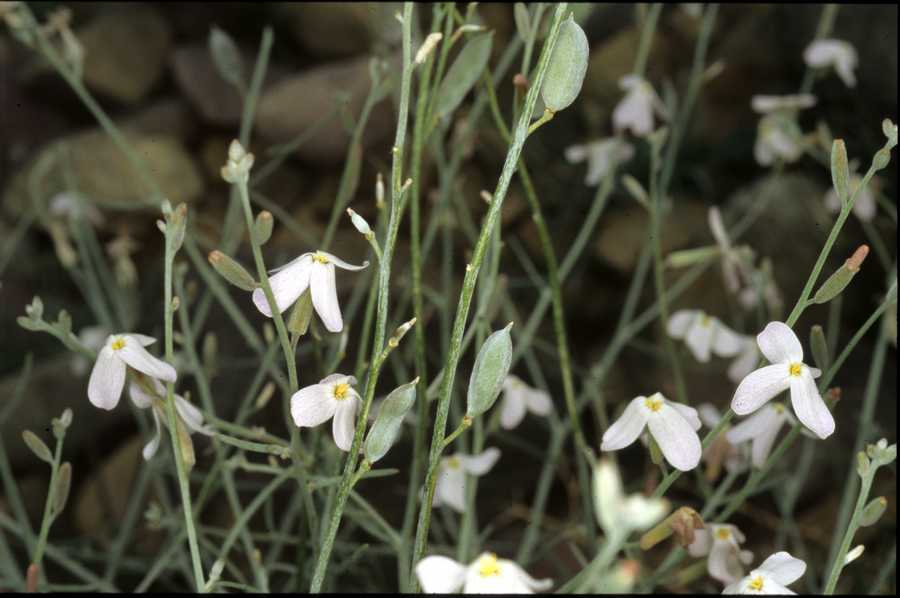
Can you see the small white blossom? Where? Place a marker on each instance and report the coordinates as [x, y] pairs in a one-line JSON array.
[[865, 205], [672, 425], [722, 543], [776, 572], [486, 575], [834, 53], [635, 110], [239, 163], [189, 414], [333, 396], [768, 104], [450, 488], [313, 271], [616, 513], [760, 429], [746, 360], [518, 398], [118, 352], [92, 337], [734, 268], [69, 206], [779, 137], [601, 155], [704, 334], [737, 456], [782, 348]]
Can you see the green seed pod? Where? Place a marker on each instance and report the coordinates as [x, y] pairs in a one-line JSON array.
[[298, 323], [464, 73], [840, 171], [838, 281], [176, 222], [61, 489], [226, 57], [689, 257], [882, 159], [491, 366], [262, 228], [873, 512], [387, 423], [232, 271], [567, 67], [862, 464], [819, 347], [37, 446]]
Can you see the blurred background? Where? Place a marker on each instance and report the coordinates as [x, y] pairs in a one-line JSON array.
[[149, 65]]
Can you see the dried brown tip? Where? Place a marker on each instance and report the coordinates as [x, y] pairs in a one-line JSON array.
[[859, 256]]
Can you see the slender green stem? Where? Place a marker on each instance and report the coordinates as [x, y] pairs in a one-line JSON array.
[[49, 516], [838, 564]]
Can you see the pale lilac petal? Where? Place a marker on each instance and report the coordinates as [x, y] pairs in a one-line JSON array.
[[142, 339], [723, 564], [575, 153], [726, 342], [680, 322], [783, 568], [480, 464], [335, 379], [512, 409], [313, 405], [759, 387], [832, 201], [324, 296], [287, 285], [440, 575], [107, 379], [809, 406], [627, 428], [538, 402], [140, 359], [779, 343], [676, 438], [762, 444]]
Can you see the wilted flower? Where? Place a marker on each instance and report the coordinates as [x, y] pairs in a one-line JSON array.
[[782, 348], [487, 575], [635, 110], [118, 352], [734, 261], [865, 205], [703, 334], [672, 425], [333, 396], [189, 414], [601, 155], [761, 428], [450, 488], [518, 397], [313, 271], [834, 53], [722, 543], [776, 572]]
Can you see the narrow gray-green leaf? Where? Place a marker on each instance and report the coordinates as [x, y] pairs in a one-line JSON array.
[[226, 57], [523, 20], [37, 446], [61, 489], [387, 423], [491, 367], [819, 347], [464, 73]]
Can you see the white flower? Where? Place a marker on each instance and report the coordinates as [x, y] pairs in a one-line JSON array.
[[672, 425], [314, 271], [602, 155], [616, 513], [761, 282], [766, 104], [333, 396], [189, 414], [450, 488], [725, 555], [69, 206], [761, 428], [93, 338], [121, 350], [776, 572], [704, 334], [737, 454], [733, 267], [635, 110], [863, 208], [782, 348], [486, 575], [778, 135], [746, 360], [834, 53], [519, 397]]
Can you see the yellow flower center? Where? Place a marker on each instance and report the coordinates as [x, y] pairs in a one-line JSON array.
[[705, 320], [723, 533], [320, 257], [653, 404], [779, 408], [340, 390], [117, 344], [488, 566], [756, 584], [796, 368], [453, 462]]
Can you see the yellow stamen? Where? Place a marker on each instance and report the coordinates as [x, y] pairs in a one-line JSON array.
[[796, 369], [779, 408], [488, 566], [653, 404], [453, 462], [320, 257], [117, 344], [756, 584], [340, 390], [705, 320], [723, 533]]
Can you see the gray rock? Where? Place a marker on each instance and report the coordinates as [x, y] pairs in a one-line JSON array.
[[328, 29], [217, 101]]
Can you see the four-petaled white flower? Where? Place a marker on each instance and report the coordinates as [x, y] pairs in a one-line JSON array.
[[635, 110], [746, 359], [450, 488], [834, 53], [518, 397], [778, 135], [673, 425], [782, 348], [616, 513], [722, 543], [704, 334], [486, 575], [601, 155], [118, 352], [333, 396], [189, 414], [776, 572], [865, 205], [313, 271], [760, 429]]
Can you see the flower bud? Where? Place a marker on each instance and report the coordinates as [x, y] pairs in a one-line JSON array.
[[854, 554], [262, 227], [873, 512], [490, 370], [301, 315], [379, 192], [232, 271], [838, 281], [61, 488], [840, 171], [819, 347], [567, 67], [387, 423], [400, 332], [427, 47], [360, 224]]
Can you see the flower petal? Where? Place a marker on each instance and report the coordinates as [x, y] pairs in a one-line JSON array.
[[627, 428], [745, 362], [512, 408], [635, 112], [779, 343], [701, 544], [709, 415], [538, 402], [865, 207], [313, 405], [783, 568], [480, 464], [809, 406], [450, 488], [342, 264], [723, 563], [575, 153], [140, 359], [107, 379], [140, 397], [726, 342], [676, 438], [762, 445], [142, 339], [151, 447], [759, 387], [324, 296], [344, 425], [538, 585], [699, 338], [680, 322], [753, 426], [688, 413], [191, 416], [287, 285], [440, 575]]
